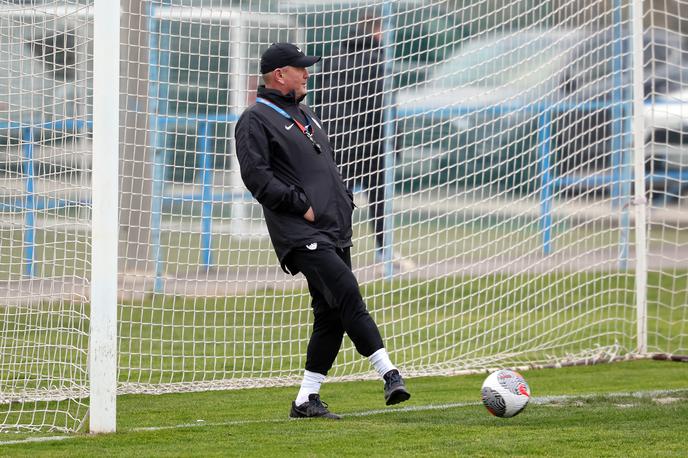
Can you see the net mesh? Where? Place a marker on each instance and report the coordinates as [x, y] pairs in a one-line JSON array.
[[490, 148], [666, 148], [45, 89]]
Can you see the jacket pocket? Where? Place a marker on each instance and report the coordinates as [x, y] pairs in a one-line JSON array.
[[313, 205], [300, 202], [326, 207]]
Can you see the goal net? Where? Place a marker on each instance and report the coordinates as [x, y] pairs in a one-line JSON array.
[[518, 169], [45, 149]]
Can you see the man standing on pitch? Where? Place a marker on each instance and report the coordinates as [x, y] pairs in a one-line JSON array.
[[353, 106], [287, 163]]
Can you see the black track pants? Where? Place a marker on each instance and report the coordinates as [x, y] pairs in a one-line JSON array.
[[337, 306]]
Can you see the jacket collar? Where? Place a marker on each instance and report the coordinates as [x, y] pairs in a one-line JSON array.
[[276, 97]]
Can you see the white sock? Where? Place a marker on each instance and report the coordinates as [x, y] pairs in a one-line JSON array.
[[381, 362], [310, 384]]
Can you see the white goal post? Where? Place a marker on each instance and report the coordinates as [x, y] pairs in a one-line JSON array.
[[520, 171], [102, 349]]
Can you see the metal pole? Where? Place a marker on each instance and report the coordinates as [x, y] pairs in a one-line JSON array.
[[28, 171], [640, 200], [546, 190], [389, 122], [239, 67], [102, 351], [158, 94], [621, 186], [204, 132]]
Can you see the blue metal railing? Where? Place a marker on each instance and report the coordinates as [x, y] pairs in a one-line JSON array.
[[158, 92], [622, 139], [545, 113], [205, 127], [389, 122], [158, 95], [30, 203], [547, 192]]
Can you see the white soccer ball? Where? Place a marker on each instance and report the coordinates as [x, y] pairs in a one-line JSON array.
[[505, 393]]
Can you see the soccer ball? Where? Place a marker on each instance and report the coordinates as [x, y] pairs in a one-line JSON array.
[[505, 393]]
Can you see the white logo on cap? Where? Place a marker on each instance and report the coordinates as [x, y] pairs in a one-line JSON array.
[[298, 49], [312, 246]]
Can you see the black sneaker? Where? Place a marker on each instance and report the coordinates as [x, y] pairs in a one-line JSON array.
[[395, 390], [311, 409]]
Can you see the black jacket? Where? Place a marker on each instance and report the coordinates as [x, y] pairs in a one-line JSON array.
[[352, 100], [285, 173]]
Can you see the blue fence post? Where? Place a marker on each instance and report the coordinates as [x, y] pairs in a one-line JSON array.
[[204, 133], [547, 181], [621, 184], [159, 159], [28, 171], [158, 67], [389, 121]]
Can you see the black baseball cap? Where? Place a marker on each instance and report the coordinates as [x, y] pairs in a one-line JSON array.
[[283, 54]]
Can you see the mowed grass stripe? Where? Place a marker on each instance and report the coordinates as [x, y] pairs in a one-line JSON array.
[[657, 396]]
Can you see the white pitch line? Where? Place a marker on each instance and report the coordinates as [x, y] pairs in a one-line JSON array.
[[544, 400], [37, 439], [540, 400], [412, 408]]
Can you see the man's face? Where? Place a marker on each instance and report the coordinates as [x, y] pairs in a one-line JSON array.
[[294, 79]]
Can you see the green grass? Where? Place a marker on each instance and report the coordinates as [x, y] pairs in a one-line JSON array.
[[452, 322], [457, 322], [443, 418], [422, 236]]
